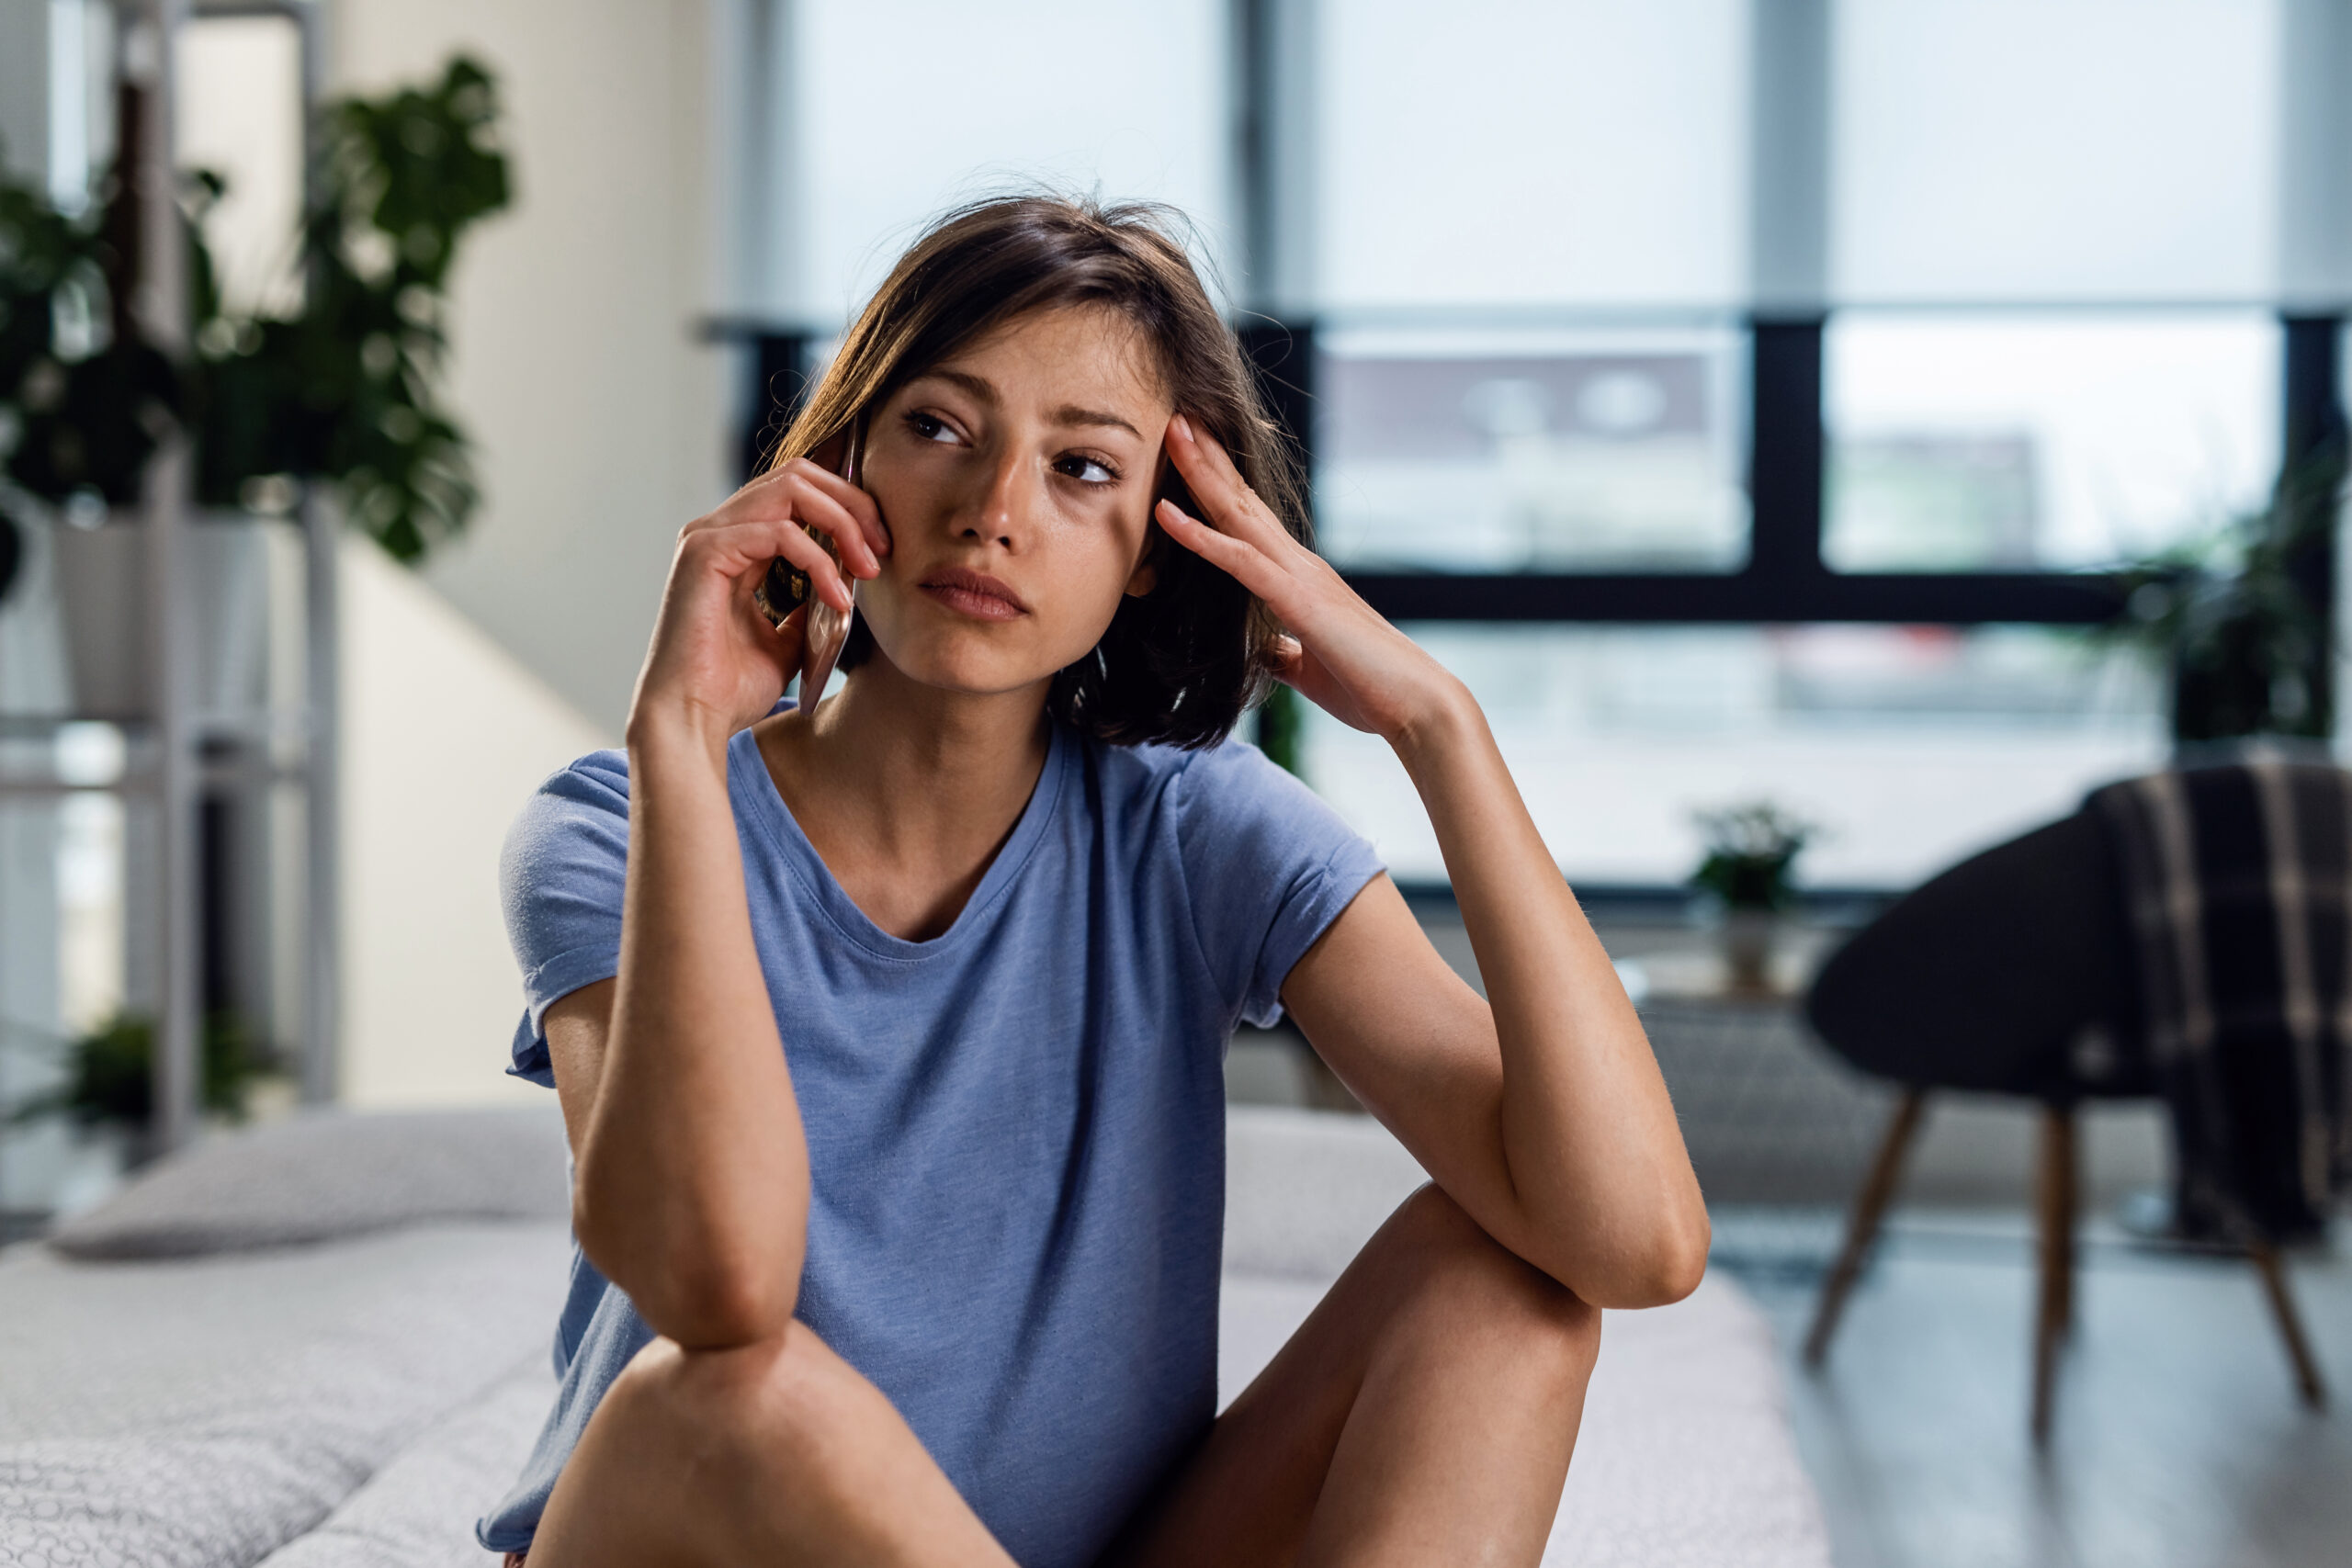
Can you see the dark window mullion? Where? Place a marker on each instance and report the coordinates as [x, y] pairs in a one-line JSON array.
[[2311, 480], [1785, 456]]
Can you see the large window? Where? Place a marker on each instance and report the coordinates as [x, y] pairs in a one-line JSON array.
[[1910, 746], [1575, 151], [1746, 398], [905, 108], [2102, 151], [1981, 441], [1612, 450]]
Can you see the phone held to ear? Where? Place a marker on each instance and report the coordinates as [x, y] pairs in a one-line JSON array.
[[787, 587]]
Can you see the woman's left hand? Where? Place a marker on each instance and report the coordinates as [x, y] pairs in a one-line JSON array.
[[1340, 653]]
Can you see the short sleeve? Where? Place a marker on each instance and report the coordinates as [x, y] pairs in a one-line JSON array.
[[560, 880], [1269, 866]]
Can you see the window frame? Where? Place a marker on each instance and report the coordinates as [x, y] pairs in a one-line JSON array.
[[1785, 579]]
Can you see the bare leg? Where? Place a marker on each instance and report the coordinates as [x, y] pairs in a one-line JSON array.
[[775, 1452], [1424, 1413]]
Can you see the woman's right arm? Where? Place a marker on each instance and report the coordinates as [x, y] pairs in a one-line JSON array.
[[690, 1186]]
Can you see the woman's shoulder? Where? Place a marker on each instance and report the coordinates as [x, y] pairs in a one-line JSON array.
[[589, 787], [1224, 785], [580, 809]]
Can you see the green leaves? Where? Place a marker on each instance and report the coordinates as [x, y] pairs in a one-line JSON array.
[[347, 391], [111, 1072], [2229, 617], [419, 167], [1751, 849], [82, 406]]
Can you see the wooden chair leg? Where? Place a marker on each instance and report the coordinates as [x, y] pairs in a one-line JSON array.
[[2267, 1263], [2067, 1208], [1862, 1228], [2056, 1202]]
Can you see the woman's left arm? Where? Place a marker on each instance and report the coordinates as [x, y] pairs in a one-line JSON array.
[[1540, 1109]]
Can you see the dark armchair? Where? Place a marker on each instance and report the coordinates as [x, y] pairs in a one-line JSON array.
[[2012, 973]]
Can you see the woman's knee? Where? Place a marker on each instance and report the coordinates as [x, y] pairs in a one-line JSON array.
[[775, 1397], [1465, 1274]]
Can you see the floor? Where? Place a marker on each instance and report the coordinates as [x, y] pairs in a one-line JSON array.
[[2179, 1440]]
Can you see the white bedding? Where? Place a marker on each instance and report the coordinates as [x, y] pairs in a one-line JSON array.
[[202, 1413], [358, 1404]]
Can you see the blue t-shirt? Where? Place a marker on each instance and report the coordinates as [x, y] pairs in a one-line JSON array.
[[1016, 1130]]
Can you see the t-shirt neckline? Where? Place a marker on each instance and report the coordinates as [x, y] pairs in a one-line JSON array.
[[757, 797]]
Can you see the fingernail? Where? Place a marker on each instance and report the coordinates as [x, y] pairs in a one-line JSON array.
[[1183, 426]]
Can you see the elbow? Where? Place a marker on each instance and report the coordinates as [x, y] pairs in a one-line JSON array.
[[701, 1295], [1658, 1266], [713, 1305], [1675, 1261]]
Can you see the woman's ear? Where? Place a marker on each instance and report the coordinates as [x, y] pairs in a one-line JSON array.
[[1171, 487], [827, 454], [1145, 576]]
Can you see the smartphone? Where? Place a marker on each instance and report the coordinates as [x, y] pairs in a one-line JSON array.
[[787, 587]]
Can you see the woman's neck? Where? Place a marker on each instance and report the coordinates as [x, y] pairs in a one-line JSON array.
[[907, 792]]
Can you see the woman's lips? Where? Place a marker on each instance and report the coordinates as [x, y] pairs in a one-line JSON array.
[[976, 593]]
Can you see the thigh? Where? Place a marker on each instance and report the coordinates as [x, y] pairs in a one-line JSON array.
[[1433, 1327]]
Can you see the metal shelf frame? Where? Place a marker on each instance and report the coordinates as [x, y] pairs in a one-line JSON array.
[[177, 749]]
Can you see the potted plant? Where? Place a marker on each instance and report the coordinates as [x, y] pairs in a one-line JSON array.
[[2231, 617], [108, 1085], [345, 391], [1751, 852]]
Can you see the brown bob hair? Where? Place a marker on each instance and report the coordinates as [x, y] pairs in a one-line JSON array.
[[1178, 664]]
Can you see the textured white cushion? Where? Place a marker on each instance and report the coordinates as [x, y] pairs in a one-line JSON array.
[[359, 1404], [419, 1511], [203, 1413], [327, 1176]]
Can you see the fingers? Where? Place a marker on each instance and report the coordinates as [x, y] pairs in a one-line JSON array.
[[858, 504], [1243, 561], [791, 644], [742, 549], [805, 491], [1221, 489], [823, 511]]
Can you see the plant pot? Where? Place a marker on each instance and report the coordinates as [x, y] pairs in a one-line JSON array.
[[1748, 937], [103, 603]]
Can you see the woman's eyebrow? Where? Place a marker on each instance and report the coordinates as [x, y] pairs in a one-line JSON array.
[[1068, 414], [980, 386]]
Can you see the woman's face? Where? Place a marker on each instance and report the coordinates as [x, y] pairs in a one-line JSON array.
[[1017, 478]]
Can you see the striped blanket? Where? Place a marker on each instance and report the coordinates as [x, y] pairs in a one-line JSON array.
[[2238, 883]]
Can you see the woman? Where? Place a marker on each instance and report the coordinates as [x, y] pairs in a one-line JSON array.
[[889, 1032]]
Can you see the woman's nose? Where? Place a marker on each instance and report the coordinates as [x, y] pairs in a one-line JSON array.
[[1004, 508]]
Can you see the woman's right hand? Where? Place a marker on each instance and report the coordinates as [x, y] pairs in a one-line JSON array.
[[717, 664]]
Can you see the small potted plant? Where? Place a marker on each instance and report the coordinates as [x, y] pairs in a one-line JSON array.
[[108, 1089], [1751, 849]]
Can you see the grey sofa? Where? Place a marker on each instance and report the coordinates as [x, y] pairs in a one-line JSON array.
[[324, 1344]]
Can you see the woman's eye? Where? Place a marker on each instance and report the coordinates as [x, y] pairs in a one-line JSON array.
[[930, 427], [1093, 471]]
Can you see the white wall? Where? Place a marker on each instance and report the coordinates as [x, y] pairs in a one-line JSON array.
[[445, 736], [600, 419], [601, 426]]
